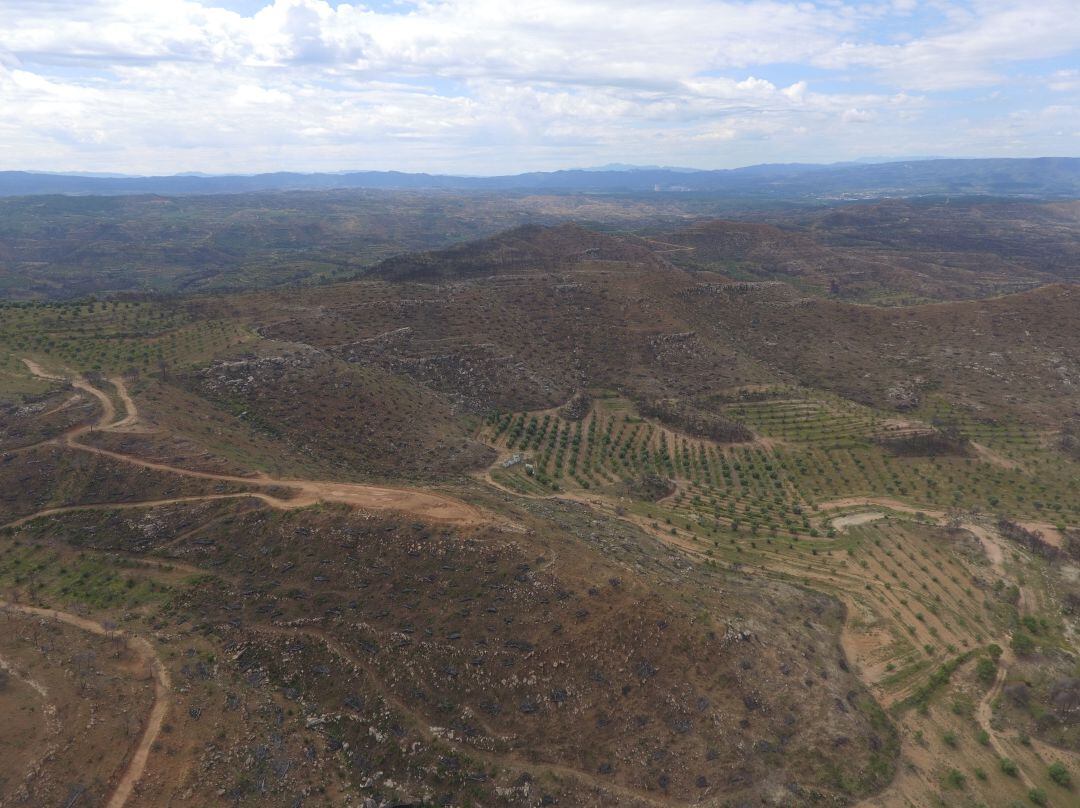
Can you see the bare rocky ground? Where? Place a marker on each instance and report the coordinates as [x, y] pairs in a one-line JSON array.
[[73, 705]]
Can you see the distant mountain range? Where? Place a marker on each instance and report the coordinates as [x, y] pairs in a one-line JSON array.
[[1044, 177]]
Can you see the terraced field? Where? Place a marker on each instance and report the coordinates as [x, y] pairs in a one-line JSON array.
[[115, 335], [934, 593], [774, 484], [802, 417]]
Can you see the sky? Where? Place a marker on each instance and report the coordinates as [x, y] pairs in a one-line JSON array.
[[504, 86]]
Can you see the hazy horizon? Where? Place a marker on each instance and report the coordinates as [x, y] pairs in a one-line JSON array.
[[613, 167]]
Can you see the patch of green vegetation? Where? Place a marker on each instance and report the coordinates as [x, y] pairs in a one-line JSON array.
[[938, 679], [881, 766], [1060, 774], [86, 578], [114, 336], [1023, 644], [955, 779], [986, 670]]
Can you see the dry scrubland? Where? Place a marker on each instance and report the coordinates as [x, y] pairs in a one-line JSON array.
[[556, 518]]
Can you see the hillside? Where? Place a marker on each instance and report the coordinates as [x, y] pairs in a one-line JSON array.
[[636, 516], [521, 250], [892, 252], [883, 252]]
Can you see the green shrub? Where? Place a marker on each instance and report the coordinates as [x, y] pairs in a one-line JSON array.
[[986, 670], [1023, 644], [955, 779], [1037, 796], [1059, 774], [962, 706], [1009, 767]]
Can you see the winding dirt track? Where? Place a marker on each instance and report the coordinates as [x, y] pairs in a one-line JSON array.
[[1049, 531], [419, 503], [423, 504], [112, 506], [985, 710], [880, 502], [162, 686], [995, 553]]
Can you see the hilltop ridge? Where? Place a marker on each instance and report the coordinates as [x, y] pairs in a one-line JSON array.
[[1012, 177]]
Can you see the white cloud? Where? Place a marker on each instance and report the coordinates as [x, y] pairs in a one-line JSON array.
[[491, 85], [252, 94], [855, 115], [1064, 81], [615, 39], [973, 46]]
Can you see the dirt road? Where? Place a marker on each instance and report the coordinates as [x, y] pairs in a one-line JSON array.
[[132, 414], [108, 409], [879, 502], [109, 506], [162, 687], [852, 519], [1050, 532], [423, 504]]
